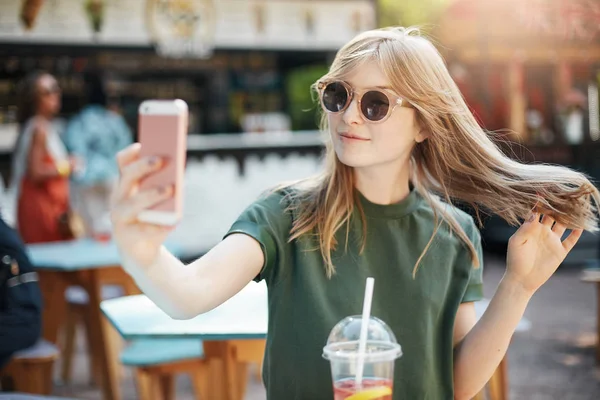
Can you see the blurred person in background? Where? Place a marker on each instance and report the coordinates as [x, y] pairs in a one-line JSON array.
[[41, 165], [96, 134]]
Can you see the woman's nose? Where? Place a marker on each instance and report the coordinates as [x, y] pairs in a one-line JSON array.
[[351, 115]]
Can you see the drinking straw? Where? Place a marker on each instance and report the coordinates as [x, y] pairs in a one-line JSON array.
[[364, 329]]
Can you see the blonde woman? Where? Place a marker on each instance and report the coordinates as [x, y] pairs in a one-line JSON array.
[[403, 145]]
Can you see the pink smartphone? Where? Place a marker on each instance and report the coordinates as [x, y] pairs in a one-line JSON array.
[[163, 126]]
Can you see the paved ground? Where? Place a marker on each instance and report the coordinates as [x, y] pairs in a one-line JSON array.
[[554, 360]]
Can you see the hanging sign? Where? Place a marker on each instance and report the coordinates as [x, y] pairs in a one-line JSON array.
[[181, 28]]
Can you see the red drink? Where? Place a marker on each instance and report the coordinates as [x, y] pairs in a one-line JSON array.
[[371, 389], [375, 365]]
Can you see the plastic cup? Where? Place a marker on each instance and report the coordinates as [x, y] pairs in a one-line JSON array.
[[342, 351]]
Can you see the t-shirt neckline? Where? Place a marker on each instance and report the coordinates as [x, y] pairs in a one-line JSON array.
[[396, 210]]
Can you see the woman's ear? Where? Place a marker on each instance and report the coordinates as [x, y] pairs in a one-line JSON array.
[[423, 133], [422, 136]]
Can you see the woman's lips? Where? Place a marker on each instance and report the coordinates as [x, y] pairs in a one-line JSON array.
[[350, 136]]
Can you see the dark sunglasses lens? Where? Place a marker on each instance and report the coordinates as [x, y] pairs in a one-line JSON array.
[[335, 97], [375, 105]]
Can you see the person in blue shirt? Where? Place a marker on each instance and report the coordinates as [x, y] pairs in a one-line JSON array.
[[95, 135]]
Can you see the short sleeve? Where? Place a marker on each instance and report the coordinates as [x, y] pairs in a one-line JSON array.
[[474, 290], [268, 221]]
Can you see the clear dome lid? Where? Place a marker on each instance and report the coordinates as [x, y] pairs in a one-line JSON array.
[[344, 338]]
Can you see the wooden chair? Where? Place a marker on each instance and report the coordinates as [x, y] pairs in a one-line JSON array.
[[77, 316], [157, 362], [30, 370]]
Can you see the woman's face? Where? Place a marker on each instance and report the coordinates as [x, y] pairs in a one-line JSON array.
[[48, 94], [359, 143]]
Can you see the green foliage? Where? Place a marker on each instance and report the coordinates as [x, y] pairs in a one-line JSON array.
[[410, 12], [303, 106]]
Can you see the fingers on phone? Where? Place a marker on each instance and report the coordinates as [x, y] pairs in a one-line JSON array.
[[136, 171], [142, 201], [128, 155]]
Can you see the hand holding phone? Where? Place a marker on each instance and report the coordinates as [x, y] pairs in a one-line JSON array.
[[147, 202]]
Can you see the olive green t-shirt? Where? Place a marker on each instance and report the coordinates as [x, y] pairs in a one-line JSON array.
[[304, 305]]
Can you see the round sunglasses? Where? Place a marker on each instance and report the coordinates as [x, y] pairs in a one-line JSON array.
[[375, 105]]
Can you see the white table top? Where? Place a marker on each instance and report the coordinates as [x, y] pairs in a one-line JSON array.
[[244, 316]]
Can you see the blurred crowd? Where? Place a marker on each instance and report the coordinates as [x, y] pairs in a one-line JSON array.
[[63, 173]]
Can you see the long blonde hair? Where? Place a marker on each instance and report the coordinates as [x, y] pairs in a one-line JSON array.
[[458, 160]]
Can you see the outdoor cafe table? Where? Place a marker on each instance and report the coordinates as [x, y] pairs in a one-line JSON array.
[[233, 332], [89, 264]]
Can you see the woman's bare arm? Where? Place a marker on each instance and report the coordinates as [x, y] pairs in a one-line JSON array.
[[37, 168], [184, 291]]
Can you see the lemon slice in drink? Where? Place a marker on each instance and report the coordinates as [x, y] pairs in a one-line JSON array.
[[371, 394]]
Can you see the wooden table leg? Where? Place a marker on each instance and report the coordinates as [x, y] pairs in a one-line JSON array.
[[228, 361], [53, 285], [246, 352], [215, 384], [498, 384], [223, 368], [231, 369], [242, 379], [144, 382], [99, 328]]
